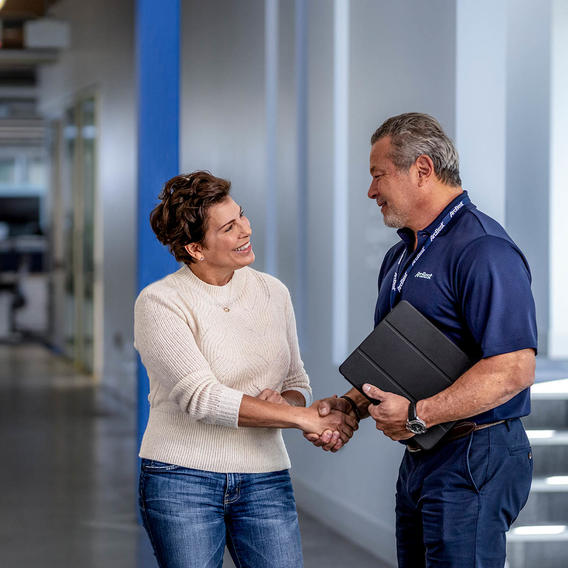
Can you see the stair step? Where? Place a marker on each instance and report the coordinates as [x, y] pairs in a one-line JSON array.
[[538, 533], [547, 504], [539, 537], [547, 414], [550, 390], [550, 456], [541, 553], [548, 437], [550, 484]]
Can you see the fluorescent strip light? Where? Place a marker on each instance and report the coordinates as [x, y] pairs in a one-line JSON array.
[[557, 480], [540, 530]]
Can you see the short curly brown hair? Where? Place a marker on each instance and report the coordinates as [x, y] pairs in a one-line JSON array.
[[181, 217]]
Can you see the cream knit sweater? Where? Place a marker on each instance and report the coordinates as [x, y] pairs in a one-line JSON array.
[[203, 346]]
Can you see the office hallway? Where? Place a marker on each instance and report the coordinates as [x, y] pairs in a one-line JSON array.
[[68, 480]]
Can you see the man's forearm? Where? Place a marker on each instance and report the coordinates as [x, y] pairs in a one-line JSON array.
[[488, 384]]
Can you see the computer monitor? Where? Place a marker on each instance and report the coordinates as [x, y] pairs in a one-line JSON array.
[[21, 214]]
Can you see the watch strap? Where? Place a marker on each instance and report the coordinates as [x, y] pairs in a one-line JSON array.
[[412, 411]]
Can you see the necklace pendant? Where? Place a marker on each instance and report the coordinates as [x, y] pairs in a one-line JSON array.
[[227, 309]]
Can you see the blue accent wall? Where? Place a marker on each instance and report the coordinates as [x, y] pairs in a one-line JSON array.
[[157, 59]]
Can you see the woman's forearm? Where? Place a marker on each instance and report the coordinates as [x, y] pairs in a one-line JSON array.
[[258, 413]]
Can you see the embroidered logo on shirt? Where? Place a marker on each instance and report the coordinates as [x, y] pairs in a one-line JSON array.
[[424, 275]]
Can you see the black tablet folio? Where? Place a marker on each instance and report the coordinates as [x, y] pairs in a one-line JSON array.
[[408, 355]]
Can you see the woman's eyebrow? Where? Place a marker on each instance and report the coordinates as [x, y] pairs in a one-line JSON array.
[[227, 223], [231, 221]]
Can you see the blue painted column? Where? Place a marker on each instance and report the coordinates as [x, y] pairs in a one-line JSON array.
[[157, 59]]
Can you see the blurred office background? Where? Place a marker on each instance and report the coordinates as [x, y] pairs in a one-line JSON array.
[[281, 97]]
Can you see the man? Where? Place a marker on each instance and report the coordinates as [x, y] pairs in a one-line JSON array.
[[454, 503]]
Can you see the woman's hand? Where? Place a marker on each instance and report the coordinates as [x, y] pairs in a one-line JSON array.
[[334, 421], [278, 413], [272, 396]]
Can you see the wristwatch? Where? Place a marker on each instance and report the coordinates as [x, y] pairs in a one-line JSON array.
[[414, 424]]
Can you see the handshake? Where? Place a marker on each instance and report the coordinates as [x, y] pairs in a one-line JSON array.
[[329, 423], [340, 416]]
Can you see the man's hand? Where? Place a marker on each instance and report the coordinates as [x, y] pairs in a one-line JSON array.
[[391, 414], [329, 441]]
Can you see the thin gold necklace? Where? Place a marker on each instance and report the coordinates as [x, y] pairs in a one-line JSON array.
[[225, 304]]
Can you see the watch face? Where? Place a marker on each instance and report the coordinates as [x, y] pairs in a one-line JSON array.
[[416, 426]]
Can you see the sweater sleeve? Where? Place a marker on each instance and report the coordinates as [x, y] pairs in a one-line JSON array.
[[297, 378], [171, 356]]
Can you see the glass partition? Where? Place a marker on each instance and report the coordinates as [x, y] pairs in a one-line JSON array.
[[78, 201]]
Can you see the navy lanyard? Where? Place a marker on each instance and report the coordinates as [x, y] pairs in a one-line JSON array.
[[397, 288]]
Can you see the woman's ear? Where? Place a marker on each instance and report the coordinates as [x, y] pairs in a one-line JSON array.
[[195, 251]]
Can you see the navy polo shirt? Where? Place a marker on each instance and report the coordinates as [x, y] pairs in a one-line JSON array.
[[473, 283]]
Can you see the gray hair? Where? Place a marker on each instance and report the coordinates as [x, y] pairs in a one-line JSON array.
[[414, 134]]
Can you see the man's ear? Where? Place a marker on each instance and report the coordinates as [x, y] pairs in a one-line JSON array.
[[424, 169], [194, 250]]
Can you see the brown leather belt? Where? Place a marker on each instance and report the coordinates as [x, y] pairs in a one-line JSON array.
[[459, 430]]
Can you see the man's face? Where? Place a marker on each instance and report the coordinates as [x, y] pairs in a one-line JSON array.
[[391, 188]]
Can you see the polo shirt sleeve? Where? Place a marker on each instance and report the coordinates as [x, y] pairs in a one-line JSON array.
[[494, 290]]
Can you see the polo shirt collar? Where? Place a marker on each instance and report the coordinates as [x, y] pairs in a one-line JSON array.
[[407, 235]]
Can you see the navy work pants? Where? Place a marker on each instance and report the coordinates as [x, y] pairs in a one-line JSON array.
[[455, 503]]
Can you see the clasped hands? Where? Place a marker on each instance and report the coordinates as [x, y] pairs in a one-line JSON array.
[[390, 417], [327, 420]]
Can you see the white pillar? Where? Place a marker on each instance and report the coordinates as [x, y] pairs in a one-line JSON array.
[[480, 101], [558, 236], [528, 144]]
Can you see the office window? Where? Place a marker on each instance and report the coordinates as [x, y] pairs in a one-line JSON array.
[[35, 171], [7, 170]]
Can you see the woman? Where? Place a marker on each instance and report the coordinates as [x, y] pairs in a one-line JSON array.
[[218, 340]]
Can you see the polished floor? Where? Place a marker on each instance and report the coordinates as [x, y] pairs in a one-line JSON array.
[[68, 496]]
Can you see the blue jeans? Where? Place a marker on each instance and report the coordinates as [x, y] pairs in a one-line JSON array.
[[190, 515], [454, 504]]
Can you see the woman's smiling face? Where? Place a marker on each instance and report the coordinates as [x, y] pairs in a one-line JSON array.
[[227, 245]]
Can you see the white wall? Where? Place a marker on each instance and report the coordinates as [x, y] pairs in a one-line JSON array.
[[528, 144], [222, 100], [481, 63], [401, 58], [511, 135], [558, 300], [101, 59]]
